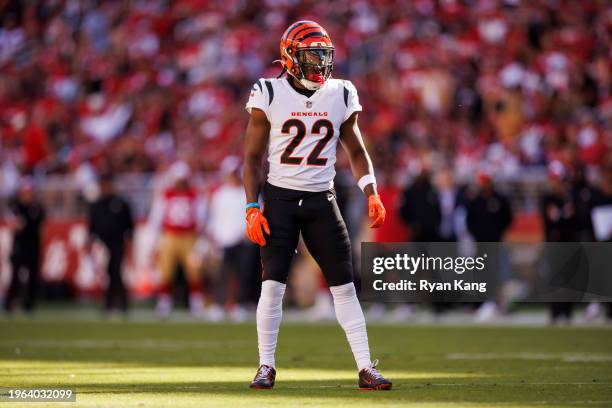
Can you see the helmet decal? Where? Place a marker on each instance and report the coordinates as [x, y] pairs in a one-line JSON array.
[[307, 53]]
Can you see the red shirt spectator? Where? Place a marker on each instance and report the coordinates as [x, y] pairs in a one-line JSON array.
[[180, 213], [394, 229], [34, 145]]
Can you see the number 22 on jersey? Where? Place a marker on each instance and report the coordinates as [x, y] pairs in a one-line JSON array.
[[300, 129]]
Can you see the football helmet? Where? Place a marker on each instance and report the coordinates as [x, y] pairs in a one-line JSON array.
[[307, 54]]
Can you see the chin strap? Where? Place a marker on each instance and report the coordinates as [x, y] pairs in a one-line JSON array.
[[283, 70], [310, 85]]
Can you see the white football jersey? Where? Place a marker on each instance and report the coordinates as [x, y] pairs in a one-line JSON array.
[[304, 131]]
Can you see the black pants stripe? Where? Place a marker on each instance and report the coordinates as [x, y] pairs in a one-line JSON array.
[[317, 217]]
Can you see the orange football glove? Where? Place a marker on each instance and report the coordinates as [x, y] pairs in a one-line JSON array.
[[256, 225], [376, 211]]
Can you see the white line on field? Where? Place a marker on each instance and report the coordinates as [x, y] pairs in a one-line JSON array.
[[567, 357]]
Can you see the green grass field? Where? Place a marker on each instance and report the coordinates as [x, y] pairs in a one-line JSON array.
[[157, 364]]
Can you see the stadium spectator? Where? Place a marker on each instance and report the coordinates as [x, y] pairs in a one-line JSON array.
[[226, 228], [582, 194], [513, 85], [488, 217], [26, 220], [420, 209], [601, 215], [489, 214], [110, 222], [394, 229], [602, 200], [558, 209], [447, 197], [502, 82], [179, 215]]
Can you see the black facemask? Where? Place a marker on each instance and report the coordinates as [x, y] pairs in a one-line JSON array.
[[315, 63]]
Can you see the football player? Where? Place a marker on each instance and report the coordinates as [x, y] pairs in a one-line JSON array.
[[299, 121]]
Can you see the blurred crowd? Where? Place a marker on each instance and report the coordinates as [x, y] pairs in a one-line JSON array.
[[436, 207], [509, 83], [194, 246], [457, 95]]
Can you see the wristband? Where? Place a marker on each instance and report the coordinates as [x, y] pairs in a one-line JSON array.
[[365, 180], [252, 205]]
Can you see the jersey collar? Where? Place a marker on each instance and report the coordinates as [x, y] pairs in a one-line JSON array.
[[302, 97]]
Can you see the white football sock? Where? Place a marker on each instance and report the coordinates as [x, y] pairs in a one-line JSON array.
[[269, 316], [350, 316]]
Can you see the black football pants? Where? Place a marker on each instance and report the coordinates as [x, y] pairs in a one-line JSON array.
[[317, 217], [28, 259], [116, 293]]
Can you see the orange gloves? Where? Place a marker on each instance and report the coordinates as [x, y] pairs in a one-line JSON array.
[[256, 225], [376, 211]]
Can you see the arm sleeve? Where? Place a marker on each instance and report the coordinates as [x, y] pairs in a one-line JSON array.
[[258, 98], [351, 100]]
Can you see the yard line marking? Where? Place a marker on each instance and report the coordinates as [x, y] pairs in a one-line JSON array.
[[567, 357]]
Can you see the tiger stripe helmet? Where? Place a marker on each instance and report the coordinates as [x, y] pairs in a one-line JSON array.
[[307, 53]]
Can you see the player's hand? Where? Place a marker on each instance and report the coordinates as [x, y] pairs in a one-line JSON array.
[[256, 225], [376, 211]]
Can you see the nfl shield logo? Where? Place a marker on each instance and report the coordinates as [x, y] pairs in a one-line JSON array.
[[309, 104]]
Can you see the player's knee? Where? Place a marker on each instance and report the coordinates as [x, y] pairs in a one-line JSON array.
[[271, 300], [343, 293], [273, 290]]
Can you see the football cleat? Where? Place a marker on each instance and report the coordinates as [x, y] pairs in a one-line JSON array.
[[371, 379], [264, 378]]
